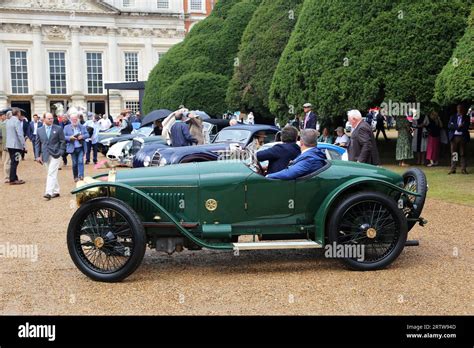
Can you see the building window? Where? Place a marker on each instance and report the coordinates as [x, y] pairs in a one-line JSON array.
[[131, 66], [94, 73], [162, 4], [161, 55], [196, 5], [133, 106], [19, 72], [57, 72], [128, 3]]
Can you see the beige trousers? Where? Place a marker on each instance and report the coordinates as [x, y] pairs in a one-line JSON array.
[[6, 164]]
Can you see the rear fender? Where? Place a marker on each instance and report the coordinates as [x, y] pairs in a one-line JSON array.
[[323, 211]]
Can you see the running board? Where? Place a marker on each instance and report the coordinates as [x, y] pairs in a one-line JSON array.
[[308, 244]]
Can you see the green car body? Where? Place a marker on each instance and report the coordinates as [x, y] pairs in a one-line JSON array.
[[211, 204]]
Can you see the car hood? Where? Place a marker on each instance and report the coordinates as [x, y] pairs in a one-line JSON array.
[[188, 174]]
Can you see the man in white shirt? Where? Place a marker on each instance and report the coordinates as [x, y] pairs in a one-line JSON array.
[[104, 123], [34, 125]]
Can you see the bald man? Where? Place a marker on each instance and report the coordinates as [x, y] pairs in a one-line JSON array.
[[50, 146]]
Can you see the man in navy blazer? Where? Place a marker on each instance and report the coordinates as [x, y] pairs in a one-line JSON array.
[[280, 155], [310, 160], [310, 119], [179, 133], [458, 127], [35, 124]]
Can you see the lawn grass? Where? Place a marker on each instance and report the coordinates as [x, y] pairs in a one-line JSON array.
[[456, 188]]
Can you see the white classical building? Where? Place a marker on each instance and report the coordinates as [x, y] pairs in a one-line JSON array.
[[65, 50]]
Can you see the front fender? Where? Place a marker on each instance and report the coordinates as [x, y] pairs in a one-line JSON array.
[[322, 213], [161, 210]]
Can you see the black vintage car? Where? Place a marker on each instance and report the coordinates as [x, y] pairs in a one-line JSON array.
[[239, 136]]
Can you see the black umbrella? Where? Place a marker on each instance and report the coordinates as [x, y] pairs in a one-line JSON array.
[[155, 115], [5, 110]]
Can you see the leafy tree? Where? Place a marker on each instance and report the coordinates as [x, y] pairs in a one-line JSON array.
[[356, 54], [455, 83], [210, 47], [187, 90], [262, 44]]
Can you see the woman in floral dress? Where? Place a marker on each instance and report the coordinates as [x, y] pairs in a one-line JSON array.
[[404, 150]]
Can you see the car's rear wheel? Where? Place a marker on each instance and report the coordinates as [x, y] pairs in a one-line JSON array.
[[106, 239], [415, 181], [368, 230]]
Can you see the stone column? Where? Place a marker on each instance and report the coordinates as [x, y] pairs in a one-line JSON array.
[[149, 60], [3, 93], [38, 72], [77, 71], [113, 72]]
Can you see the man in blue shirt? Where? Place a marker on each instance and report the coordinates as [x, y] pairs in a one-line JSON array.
[[280, 155], [179, 133], [310, 160]]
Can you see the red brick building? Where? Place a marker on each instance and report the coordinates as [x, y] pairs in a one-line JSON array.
[[196, 10]]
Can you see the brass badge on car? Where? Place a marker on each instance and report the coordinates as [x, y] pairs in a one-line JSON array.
[[211, 204]]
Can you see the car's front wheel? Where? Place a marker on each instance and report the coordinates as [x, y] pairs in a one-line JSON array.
[[106, 239], [368, 231]]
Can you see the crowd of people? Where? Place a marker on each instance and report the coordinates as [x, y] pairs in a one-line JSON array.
[[419, 138], [55, 138]]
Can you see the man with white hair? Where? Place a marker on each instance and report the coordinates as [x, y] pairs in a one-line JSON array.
[[76, 134], [362, 146]]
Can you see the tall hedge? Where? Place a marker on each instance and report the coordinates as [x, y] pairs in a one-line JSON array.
[[262, 44], [358, 53], [210, 47], [187, 91], [455, 83]]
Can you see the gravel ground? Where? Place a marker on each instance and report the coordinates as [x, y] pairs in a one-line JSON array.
[[434, 278]]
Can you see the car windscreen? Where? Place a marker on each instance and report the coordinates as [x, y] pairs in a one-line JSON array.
[[233, 135]]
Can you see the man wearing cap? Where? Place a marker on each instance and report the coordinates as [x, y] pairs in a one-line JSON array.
[[310, 118]]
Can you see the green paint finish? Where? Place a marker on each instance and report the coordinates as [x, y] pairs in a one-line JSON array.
[[226, 198]]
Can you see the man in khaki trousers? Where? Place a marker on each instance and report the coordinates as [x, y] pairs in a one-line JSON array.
[[50, 145], [4, 155]]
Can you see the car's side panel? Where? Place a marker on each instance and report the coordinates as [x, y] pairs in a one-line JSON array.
[[159, 209]]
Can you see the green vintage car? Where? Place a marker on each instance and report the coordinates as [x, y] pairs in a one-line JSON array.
[[211, 204]]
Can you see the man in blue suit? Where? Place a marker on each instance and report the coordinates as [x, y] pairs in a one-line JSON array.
[[34, 125], [179, 133], [280, 155], [310, 160], [458, 128], [76, 134]]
